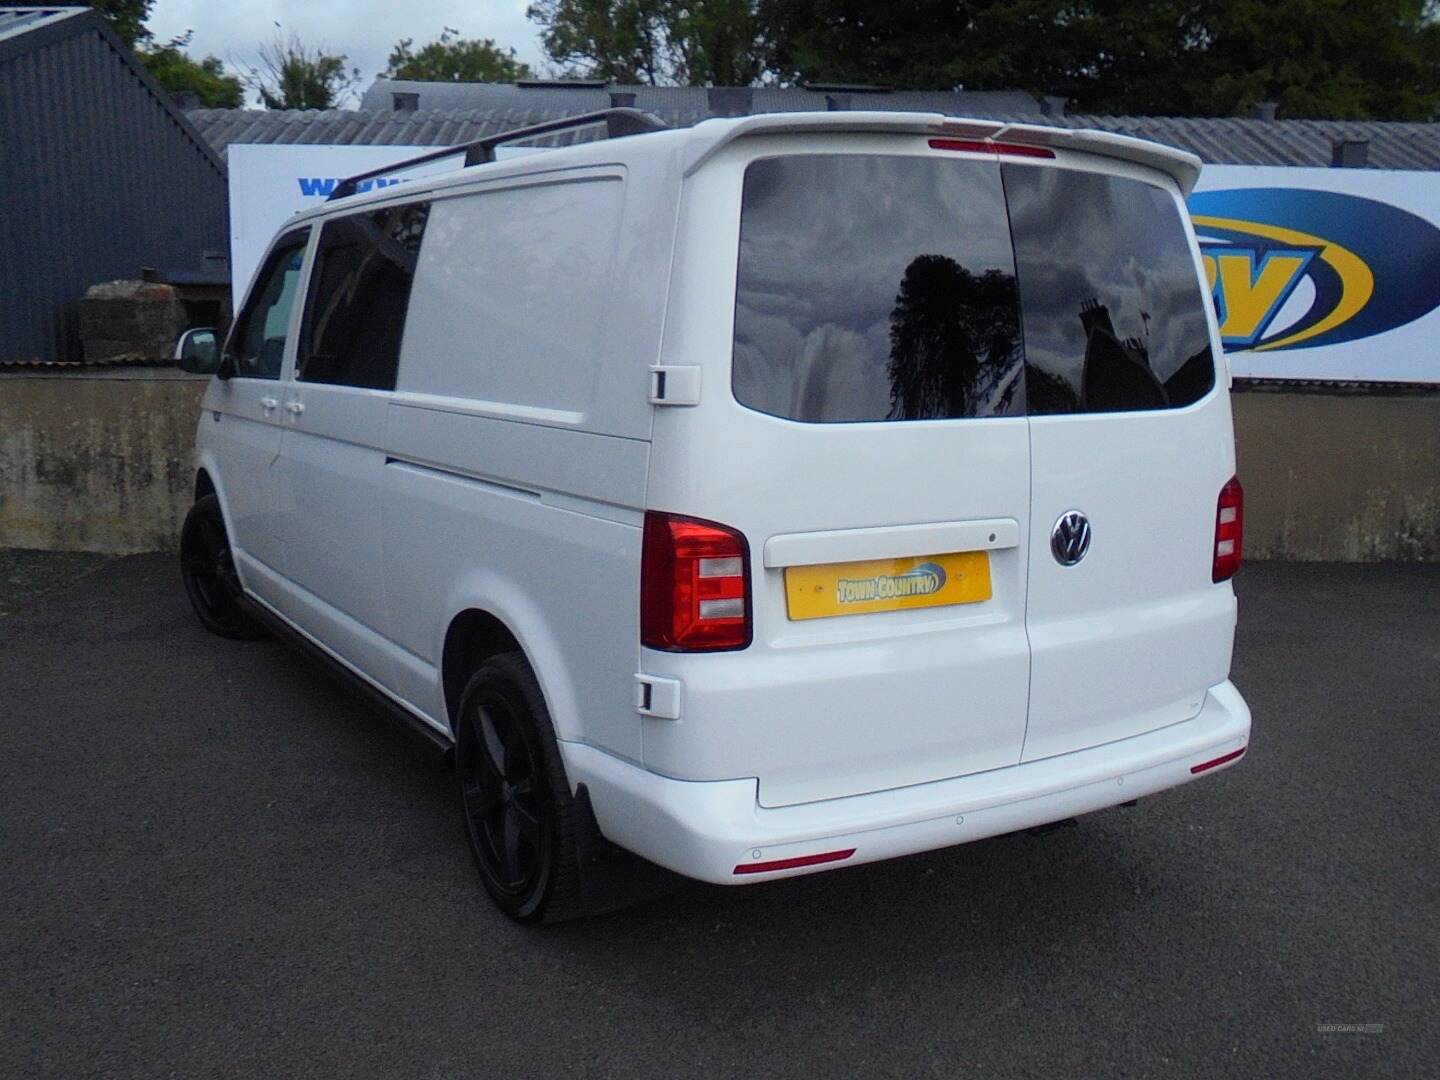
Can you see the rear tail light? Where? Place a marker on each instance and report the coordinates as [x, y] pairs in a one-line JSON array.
[[694, 585], [1229, 524]]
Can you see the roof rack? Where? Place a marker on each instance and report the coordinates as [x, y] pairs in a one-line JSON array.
[[618, 124]]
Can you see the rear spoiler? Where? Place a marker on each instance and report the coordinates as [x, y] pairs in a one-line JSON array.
[[710, 136]]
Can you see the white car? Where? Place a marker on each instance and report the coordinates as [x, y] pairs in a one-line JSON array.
[[774, 495]]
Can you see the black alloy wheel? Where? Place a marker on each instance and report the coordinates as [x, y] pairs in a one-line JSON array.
[[208, 569], [518, 809]]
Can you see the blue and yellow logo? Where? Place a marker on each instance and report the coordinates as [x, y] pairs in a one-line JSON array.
[[1293, 268], [922, 580]]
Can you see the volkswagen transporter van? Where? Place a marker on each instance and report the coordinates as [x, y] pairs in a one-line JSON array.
[[771, 496]]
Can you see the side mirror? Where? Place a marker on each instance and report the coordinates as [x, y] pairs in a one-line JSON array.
[[198, 351]]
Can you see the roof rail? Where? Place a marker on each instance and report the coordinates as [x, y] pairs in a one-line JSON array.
[[618, 123]]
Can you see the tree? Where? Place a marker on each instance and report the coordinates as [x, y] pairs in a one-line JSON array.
[[126, 18], [1315, 58], [206, 79], [451, 58], [172, 68], [292, 75], [700, 43], [1318, 58]]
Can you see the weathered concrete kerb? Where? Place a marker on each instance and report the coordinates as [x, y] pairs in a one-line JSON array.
[[1340, 475], [102, 460], [96, 461]]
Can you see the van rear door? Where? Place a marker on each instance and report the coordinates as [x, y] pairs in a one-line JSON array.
[[865, 431], [1128, 434]]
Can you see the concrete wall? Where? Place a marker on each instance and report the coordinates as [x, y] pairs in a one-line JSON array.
[[96, 460], [1340, 475], [102, 461]]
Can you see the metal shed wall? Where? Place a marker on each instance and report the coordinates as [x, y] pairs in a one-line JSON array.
[[99, 176]]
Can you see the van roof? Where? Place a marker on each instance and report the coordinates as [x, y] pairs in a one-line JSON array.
[[703, 141]]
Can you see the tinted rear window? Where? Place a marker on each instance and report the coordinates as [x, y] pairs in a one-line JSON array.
[[875, 288], [1114, 314], [888, 288]]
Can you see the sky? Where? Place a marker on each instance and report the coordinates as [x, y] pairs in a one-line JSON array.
[[364, 30]]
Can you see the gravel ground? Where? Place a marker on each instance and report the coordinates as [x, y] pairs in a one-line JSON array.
[[219, 862], [27, 575]]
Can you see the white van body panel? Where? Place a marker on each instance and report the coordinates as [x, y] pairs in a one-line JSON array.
[[332, 477], [709, 830], [477, 529], [1060, 658], [510, 470], [238, 442]]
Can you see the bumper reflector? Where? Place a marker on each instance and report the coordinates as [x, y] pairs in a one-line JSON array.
[[791, 864], [1217, 761]]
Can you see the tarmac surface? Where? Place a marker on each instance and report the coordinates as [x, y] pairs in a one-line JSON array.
[[216, 860]]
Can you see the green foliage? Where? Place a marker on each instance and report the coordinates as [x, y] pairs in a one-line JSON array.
[[126, 18], [1320, 58], [701, 43], [171, 67], [1316, 58], [452, 58], [292, 75], [206, 79]]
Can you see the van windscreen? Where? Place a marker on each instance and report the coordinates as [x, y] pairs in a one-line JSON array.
[[888, 287], [875, 288]]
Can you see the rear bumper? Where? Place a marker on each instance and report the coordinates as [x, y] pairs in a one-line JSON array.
[[706, 829]]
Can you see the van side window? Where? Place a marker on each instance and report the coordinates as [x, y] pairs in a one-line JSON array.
[[359, 294], [256, 347], [514, 295], [876, 287], [1114, 311]]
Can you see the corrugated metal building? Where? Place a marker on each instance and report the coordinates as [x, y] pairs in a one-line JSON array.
[[442, 114], [100, 173]]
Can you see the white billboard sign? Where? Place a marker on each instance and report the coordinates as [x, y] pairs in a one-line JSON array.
[[1323, 273], [269, 184]]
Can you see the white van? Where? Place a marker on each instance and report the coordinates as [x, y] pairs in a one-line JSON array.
[[775, 495]]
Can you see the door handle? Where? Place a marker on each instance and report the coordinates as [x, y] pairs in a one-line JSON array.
[[269, 403], [295, 407]]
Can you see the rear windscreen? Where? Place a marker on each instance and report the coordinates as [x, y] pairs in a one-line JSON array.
[[885, 288], [1114, 315], [875, 288]]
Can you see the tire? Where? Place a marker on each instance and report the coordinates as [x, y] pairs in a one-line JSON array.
[[208, 570], [520, 817]]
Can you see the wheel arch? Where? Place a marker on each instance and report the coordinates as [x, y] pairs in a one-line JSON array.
[[493, 615], [473, 636]]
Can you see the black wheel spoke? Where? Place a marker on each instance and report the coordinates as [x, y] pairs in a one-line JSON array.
[[526, 822], [492, 746], [511, 844]]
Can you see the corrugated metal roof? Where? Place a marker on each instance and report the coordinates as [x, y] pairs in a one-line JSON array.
[[344, 127], [683, 105], [1228, 141], [1218, 141], [21, 20]]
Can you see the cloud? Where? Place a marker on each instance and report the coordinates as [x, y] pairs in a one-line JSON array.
[[364, 30]]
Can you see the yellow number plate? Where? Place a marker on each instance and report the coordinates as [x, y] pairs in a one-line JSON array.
[[816, 592]]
